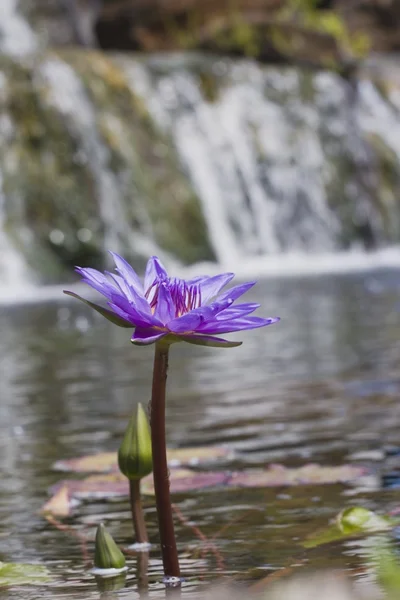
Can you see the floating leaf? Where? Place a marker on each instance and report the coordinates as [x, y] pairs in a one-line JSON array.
[[59, 504], [106, 462], [103, 462], [21, 574], [387, 567], [185, 480], [197, 456], [114, 484], [356, 521], [312, 474]]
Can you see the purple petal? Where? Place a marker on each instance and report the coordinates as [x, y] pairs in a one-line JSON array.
[[209, 340], [165, 309], [236, 291], [126, 293], [198, 279], [210, 311], [239, 310], [189, 322], [154, 270], [127, 272], [144, 337], [211, 286], [96, 280], [135, 318], [126, 290], [138, 316], [192, 320], [236, 325]]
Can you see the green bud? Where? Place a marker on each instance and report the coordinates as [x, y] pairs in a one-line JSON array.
[[107, 554], [134, 456]]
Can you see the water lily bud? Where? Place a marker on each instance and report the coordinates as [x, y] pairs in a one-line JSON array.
[[107, 554], [134, 456]]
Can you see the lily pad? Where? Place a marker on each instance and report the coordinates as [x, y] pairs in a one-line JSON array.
[[311, 474], [59, 504], [351, 522], [107, 462], [114, 485], [185, 480], [67, 493], [22, 574]]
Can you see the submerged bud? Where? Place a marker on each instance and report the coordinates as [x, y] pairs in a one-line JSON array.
[[107, 554], [134, 455]]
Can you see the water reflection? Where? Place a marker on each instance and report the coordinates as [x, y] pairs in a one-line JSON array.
[[315, 387]]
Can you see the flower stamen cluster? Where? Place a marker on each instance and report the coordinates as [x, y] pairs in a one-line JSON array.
[[184, 296]]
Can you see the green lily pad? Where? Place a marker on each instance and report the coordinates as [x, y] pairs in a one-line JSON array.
[[387, 567], [107, 462], [351, 522], [21, 574]]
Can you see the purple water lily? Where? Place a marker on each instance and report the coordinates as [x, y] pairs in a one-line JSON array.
[[193, 311]]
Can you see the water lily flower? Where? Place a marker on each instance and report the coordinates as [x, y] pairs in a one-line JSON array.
[[171, 309]]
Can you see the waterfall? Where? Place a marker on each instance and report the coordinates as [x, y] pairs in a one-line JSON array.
[[16, 36], [279, 157], [13, 268], [196, 158]]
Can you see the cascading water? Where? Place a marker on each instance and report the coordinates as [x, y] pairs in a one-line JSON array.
[[279, 157], [193, 157], [16, 36]]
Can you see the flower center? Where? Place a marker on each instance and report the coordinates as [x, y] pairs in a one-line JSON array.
[[184, 296]]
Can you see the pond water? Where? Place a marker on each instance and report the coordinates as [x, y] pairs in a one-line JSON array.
[[321, 386]]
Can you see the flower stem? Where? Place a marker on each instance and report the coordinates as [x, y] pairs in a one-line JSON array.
[[160, 467], [142, 576], [139, 523]]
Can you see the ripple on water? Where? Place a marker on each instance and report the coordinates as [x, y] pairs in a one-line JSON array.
[[320, 387]]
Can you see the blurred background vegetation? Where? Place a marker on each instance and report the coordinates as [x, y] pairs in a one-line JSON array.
[[333, 33]]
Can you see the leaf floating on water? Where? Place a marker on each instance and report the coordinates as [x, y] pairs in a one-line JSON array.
[[185, 480], [103, 462], [67, 493], [107, 462], [351, 522], [115, 485], [197, 455], [312, 474], [23, 574], [59, 504], [357, 518]]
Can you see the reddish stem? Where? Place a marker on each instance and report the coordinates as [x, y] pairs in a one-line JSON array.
[[160, 467]]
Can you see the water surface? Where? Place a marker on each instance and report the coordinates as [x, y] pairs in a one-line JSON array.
[[321, 386]]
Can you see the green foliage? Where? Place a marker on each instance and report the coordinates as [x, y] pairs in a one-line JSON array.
[[22, 574], [306, 14], [355, 521]]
